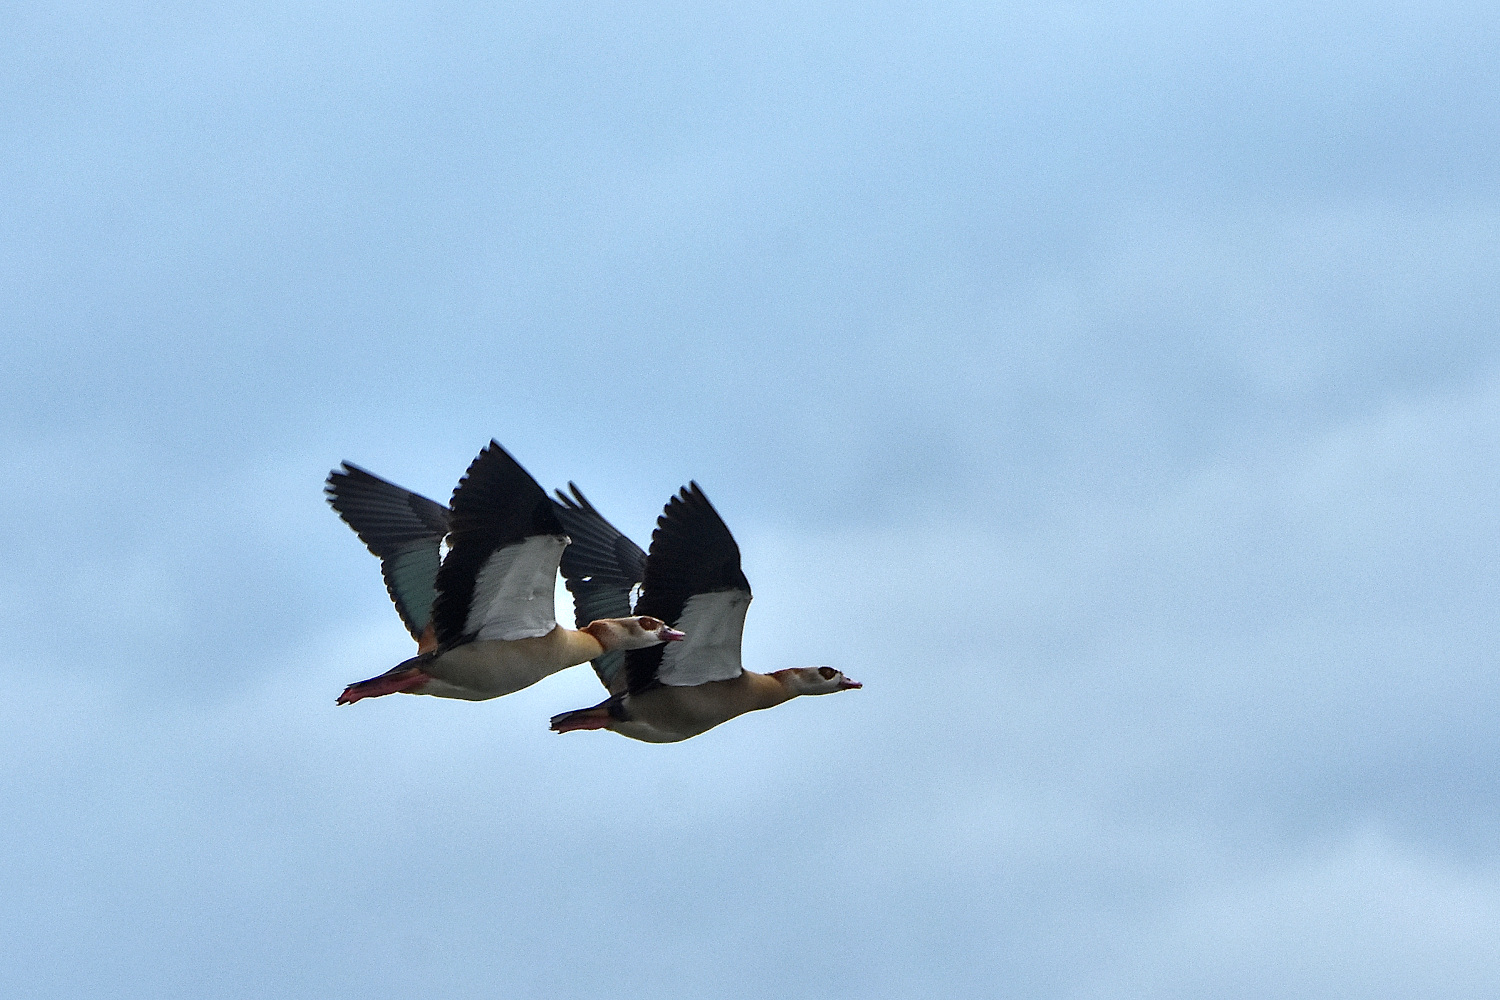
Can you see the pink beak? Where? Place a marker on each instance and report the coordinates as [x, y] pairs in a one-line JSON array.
[[849, 684], [668, 634]]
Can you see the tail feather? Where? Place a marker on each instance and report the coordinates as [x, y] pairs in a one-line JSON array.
[[394, 681], [597, 717]]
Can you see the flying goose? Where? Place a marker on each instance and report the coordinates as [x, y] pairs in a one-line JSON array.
[[691, 579], [483, 616]]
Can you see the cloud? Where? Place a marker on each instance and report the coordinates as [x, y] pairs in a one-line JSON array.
[[1365, 915], [1111, 392]]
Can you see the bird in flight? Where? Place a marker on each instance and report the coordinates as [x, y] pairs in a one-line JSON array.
[[692, 580], [483, 615]]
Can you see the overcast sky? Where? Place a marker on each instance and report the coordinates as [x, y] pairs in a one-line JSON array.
[[1113, 389]]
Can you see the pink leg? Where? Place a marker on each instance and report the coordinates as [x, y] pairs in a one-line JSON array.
[[394, 682], [588, 718]]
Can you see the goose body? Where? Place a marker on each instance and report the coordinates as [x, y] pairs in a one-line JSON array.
[[483, 616], [490, 668], [692, 580], [670, 714]]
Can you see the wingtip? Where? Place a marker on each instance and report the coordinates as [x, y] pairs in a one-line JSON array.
[[348, 470], [330, 484], [575, 502]]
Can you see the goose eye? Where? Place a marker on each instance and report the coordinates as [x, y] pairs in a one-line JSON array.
[[651, 624], [828, 673]]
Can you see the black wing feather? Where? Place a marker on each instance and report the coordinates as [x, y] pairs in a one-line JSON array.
[[497, 503], [402, 529], [601, 568], [692, 552]]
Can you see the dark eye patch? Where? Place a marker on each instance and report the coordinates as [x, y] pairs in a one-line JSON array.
[[651, 624], [828, 673]]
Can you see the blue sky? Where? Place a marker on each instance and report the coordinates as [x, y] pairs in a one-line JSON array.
[[1114, 390]]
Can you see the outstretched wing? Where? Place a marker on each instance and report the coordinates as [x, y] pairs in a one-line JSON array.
[[505, 542], [693, 581], [403, 529], [601, 567]]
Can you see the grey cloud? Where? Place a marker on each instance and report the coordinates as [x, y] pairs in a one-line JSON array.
[[1113, 392]]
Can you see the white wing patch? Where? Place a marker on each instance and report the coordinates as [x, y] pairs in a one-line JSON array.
[[714, 623], [514, 594]]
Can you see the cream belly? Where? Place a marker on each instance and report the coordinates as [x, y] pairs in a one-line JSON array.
[[648, 734], [490, 668], [668, 714]]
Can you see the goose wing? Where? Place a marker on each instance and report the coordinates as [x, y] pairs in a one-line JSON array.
[[505, 542], [694, 582], [403, 529], [601, 567]]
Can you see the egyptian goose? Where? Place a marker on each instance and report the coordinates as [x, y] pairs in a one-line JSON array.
[[692, 579], [483, 616]]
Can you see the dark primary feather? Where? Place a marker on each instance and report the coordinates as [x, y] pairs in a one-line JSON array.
[[692, 552], [403, 529], [497, 503], [601, 567]]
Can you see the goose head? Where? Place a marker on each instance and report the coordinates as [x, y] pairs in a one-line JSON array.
[[631, 633], [816, 680]]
